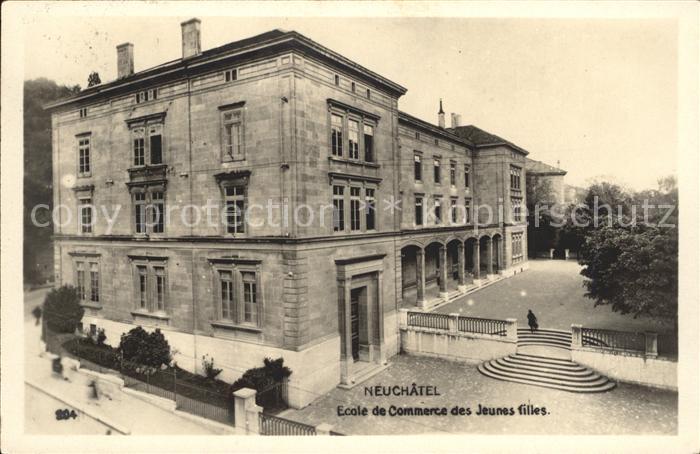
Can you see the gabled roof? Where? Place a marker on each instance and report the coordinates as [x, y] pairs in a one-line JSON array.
[[483, 139], [273, 41], [432, 129], [540, 168]]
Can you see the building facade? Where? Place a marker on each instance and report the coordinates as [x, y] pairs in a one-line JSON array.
[[267, 198]]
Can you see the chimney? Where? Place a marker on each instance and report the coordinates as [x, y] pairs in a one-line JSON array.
[[191, 46], [456, 120], [441, 116], [125, 60]]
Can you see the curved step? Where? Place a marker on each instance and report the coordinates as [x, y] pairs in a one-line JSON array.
[[572, 371], [544, 344], [547, 372], [592, 389], [587, 377]]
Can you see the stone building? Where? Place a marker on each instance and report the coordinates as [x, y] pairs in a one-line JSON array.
[[332, 208]]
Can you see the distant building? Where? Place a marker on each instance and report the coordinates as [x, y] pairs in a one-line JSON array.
[[539, 171], [274, 119]]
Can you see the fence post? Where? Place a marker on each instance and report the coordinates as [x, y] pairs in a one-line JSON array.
[[403, 318], [246, 411], [576, 336], [651, 341], [512, 329], [452, 323], [324, 429]]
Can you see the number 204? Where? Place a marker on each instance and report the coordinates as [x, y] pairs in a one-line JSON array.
[[65, 414]]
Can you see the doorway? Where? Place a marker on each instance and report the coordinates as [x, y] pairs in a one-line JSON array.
[[355, 295]]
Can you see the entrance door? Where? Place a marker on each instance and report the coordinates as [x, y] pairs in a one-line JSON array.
[[355, 322]]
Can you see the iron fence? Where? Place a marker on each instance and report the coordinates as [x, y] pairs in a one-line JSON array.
[[274, 425], [617, 340], [217, 406], [272, 397], [428, 320], [482, 326]]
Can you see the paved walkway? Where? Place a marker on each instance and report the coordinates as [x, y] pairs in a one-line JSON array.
[[628, 409], [554, 290]]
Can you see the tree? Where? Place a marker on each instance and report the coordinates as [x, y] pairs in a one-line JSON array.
[[635, 270], [144, 348], [38, 173], [94, 79], [62, 309]]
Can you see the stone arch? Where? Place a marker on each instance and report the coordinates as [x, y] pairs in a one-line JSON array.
[[498, 255]]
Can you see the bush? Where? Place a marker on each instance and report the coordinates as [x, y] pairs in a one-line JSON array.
[[62, 309], [101, 337], [150, 349], [209, 370], [102, 356], [259, 378]]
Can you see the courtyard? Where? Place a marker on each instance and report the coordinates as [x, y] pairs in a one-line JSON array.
[[627, 409], [554, 290]]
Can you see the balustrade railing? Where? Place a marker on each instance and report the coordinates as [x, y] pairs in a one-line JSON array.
[[482, 326], [428, 320], [274, 425], [616, 340]]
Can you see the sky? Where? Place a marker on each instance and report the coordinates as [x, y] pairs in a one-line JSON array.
[[597, 96]]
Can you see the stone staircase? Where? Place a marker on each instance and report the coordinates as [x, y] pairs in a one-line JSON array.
[[546, 372], [544, 337]]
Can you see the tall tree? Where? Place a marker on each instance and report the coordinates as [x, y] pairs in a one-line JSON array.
[[37, 171]]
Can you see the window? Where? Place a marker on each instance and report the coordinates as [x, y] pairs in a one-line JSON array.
[[467, 211], [226, 287], [80, 279], [453, 210], [146, 95], [338, 209], [353, 139], [516, 204], [467, 170], [336, 135], [337, 80], [352, 87], [250, 298], [370, 209], [436, 170], [87, 280], [369, 143], [157, 211], [143, 286], [369, 94], [85, 205], [417, 167], [94, 283], [238, 299], [234, 206], [149, 210], [517, 247], [159, 273], [231, 75], [151, 286], [83, 112], [437, 142], [147, 144], [354, 127], [417, 135], [354, 208], [419, 210], [84, 156], [515, 177], [437, 211], [232, 134], [453, 173]]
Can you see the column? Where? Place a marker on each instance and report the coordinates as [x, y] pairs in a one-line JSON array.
[[576, 336], [246, 411], [420, 278], [475, 259], [489, 256], [651, 341], [346, 330], [460, 266], [443, 271]]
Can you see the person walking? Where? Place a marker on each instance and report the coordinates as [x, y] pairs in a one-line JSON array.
[[532, 320]]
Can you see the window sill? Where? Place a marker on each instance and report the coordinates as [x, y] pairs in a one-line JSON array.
[[233, 326], [355, 162], [160, 315], [90, 305]]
